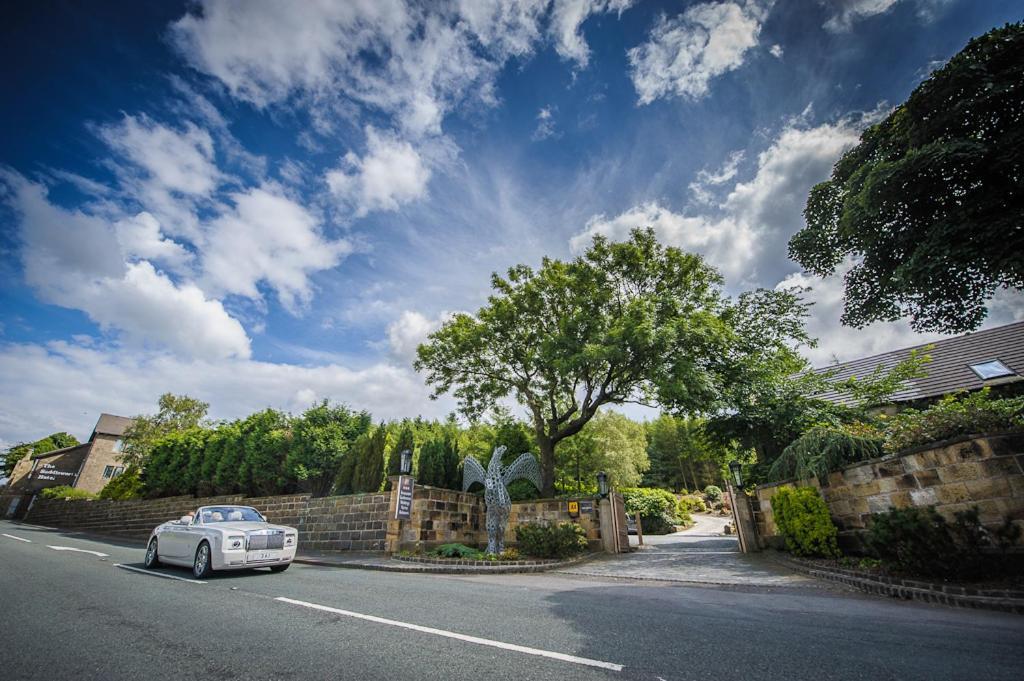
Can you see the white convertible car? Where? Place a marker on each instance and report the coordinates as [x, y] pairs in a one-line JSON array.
[[222, 538]]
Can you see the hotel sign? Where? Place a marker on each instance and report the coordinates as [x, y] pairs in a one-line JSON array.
[[403, 508]]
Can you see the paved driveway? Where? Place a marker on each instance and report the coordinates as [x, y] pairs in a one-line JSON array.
[[701, 555]]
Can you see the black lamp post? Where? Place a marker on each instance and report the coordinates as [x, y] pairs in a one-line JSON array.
[[602, 484], [405, 466], [737, 472]]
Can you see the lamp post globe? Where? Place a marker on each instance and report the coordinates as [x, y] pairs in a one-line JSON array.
[[602, 484]]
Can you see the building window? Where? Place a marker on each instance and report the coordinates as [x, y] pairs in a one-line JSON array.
[[112, 471], [991, 369], [119, 445]]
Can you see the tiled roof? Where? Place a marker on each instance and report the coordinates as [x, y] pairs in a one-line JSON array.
[[109, 424], [949, 370]]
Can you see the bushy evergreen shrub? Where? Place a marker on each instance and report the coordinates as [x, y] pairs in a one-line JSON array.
[[803, 520], [713, 494], [126, 486], [919, 541], [657, 508], [551, 541]]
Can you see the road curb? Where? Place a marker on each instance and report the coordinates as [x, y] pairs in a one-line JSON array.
[[925, 592], [407, 566]]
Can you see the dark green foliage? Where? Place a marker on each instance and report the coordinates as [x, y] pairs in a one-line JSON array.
[[657, 508], [920, 542], [551, 541], [66, 492], [517, 438], [404, 442], [457, 551], [265, 442], [126, 486], [803, 520], [929, 204], [713, 494], [367, 455], [439, 465], [820, 451], [169, 460], [626, 319], [954, 415], [177, 413], [323, 438]]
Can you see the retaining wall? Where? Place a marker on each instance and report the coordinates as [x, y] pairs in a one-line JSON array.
[[982, 471]]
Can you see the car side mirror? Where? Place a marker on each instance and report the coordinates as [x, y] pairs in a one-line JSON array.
[[185, 520]]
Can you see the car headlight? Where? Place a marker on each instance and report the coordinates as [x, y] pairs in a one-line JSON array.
[[289, 540], [234, 542]]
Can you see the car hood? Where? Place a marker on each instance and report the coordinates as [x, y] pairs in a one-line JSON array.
[[249, 526]]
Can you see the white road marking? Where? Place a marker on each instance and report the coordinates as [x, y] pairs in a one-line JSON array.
[[461, 637], [72, 548], [157, 574], [11, 536], [37, 527]]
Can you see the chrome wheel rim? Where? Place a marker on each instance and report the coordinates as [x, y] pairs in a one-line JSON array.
[[151, 552], [201, 559]]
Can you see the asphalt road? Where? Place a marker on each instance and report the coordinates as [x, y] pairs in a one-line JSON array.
[[69, 614]]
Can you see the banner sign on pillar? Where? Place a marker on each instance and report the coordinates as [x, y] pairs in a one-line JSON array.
[[587, 506], [403, 509]]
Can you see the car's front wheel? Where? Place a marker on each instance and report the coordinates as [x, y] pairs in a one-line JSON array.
[[202, 566], [279, 568], [152, 560]]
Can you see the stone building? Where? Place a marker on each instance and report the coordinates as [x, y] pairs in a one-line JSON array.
[[88, 466]]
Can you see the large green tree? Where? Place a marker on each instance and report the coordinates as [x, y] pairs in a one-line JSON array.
[[610, 442], [625, 322], [929, 205], [176, 413], [322, 440]]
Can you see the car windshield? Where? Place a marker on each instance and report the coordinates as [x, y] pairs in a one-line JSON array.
[[225, 514]]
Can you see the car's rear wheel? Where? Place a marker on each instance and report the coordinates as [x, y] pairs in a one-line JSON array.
[[279, 568], [152, 560], [202, 566]]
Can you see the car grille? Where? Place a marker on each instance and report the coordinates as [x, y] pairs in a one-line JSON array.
[[258, 542]]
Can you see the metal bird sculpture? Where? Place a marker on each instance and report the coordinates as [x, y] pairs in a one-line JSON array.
[[495, 481]]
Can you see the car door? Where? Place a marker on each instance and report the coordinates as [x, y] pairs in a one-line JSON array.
[[171, 541]]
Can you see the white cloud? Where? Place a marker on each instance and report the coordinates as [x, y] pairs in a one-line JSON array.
[[413, 62], [684, 53], [390, 174], [745, 235], [168, 171], [411, 329], [845, 13], [140, 237], [567, 16], [776, 51], [267, 237], [545, 125], [64, 386], [702, 187]]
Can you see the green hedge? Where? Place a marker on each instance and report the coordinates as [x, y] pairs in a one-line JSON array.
[[551, 541], [803, 520], [66, 492], [657, 508]]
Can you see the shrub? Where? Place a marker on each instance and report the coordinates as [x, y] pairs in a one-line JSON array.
[[713, 494], [820, 451], [657, 508], [126, 486], [457, 551], [690, 504], [66, 492], [921, 542], [551, 541], [509, 554], [952, 416], [802, 518]]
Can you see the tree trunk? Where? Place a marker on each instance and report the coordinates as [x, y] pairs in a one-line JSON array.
[[547, 466]]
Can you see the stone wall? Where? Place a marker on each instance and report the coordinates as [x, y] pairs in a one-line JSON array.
[[359, 522], [986, 471], [356, 522]]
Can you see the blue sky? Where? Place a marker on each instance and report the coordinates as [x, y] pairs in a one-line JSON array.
[[265, 204]]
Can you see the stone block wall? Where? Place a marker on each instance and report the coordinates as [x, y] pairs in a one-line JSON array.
[[439, 516], [986, 471], [355, 522], [551, 511]]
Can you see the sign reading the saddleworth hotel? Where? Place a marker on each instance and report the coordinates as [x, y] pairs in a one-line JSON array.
[[403, 509]]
